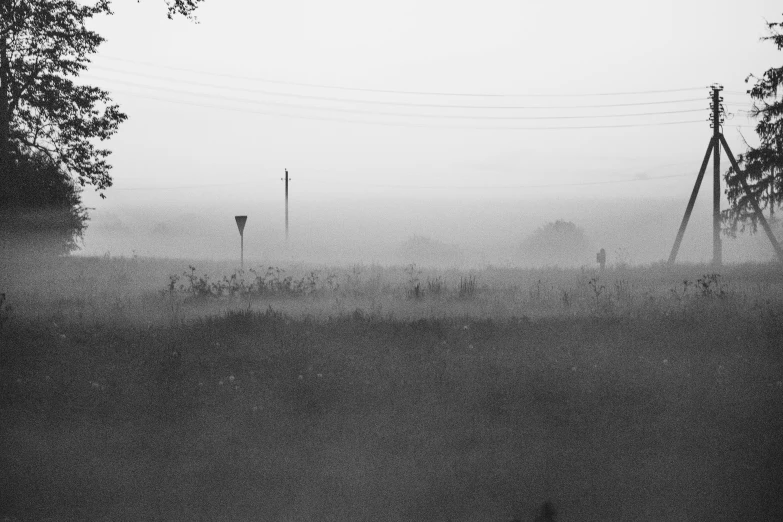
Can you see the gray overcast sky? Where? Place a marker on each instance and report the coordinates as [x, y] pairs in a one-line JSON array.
[[218, 109], [213, 127]]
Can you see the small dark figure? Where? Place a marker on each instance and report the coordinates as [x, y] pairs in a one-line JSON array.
[[601, 258]]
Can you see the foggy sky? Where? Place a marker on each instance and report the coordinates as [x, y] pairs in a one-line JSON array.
[[212, 144]]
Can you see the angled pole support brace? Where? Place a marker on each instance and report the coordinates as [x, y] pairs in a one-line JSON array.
[[691, 202], [752, 198]]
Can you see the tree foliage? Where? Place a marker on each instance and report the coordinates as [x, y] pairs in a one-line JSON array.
[[182, 7], [561, 243], [51, 124], [762, 166], [44, 45]]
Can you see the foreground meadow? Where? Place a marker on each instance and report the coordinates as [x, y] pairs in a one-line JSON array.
[[373, 393]]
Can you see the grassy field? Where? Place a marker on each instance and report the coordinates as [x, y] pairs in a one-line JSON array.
[[376, 393]]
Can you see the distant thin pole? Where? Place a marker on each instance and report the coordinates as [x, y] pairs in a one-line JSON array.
[[286, 204]]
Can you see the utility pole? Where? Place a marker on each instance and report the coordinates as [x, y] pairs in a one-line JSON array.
[[286, 205], [714, 147], [717, 108]]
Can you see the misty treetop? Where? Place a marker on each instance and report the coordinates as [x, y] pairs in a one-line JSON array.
[[763, 165], [44, 46]]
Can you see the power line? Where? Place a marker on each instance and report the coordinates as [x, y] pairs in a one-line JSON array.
[[439, 187], [402, 124], [389, 91], [177, 187], [382, 113], [650, 167], [548, 185], [381, 102]]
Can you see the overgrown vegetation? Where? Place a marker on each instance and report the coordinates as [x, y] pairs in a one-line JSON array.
[[44, 216], [134, 388]]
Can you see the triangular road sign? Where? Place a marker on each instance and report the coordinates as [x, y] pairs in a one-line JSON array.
[[241, 220]]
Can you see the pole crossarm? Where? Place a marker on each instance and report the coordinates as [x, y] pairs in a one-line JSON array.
[[753, 202], [691, 202]]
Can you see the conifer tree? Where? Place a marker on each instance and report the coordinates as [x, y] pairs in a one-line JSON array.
[[762, 166]]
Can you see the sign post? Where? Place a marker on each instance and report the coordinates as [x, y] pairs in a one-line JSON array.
[[241, 220]]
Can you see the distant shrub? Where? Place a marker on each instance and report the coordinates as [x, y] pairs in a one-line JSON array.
[[708, 286], [414, 290], [561, 243], [467, 286], [435, 286], [273, 281]]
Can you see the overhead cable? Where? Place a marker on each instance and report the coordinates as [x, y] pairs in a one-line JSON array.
[[515, 186], [439, 187], [390, 91], [382, 113], [383, 102], [403, 124]]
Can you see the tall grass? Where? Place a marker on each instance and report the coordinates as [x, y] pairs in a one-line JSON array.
[[162, 291], [180, 390]]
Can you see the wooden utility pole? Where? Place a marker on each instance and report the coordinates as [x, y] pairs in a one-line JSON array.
[[717, 251], [689, 208], [713, 147]]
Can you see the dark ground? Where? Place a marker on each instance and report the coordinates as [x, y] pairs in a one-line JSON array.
[[266, 417]]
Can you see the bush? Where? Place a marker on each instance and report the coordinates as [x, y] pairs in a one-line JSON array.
[[561, 243], [41, 209]]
